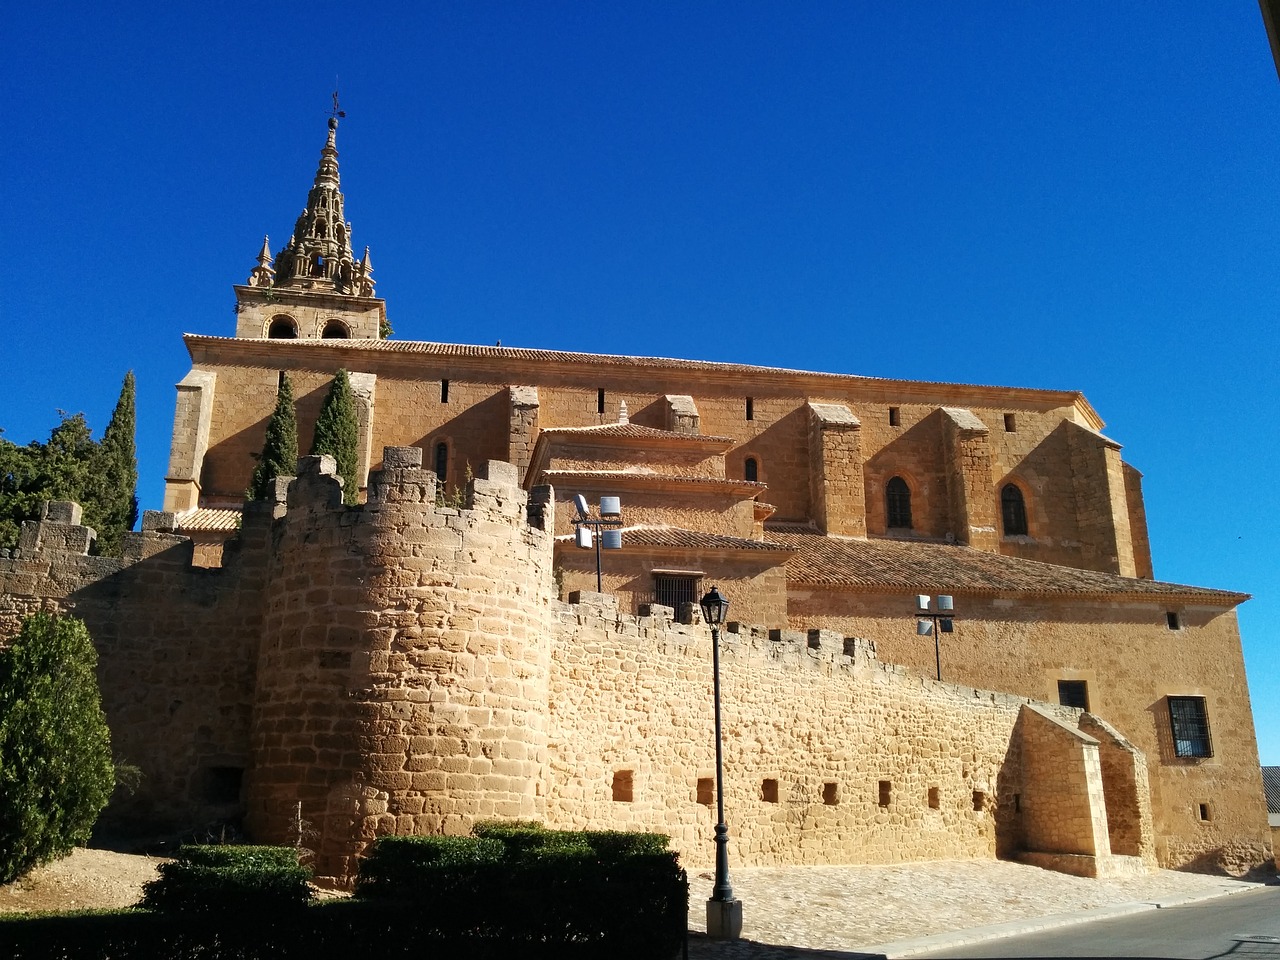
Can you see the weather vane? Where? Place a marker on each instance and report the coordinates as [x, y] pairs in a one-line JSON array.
[[336, 112]]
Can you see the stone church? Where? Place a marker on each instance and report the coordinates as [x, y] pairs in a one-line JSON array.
[[447, 652]]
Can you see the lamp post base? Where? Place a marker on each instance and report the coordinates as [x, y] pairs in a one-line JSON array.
[[724, 919]]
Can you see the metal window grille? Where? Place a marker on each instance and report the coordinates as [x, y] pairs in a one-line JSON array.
[[1189, 722], [1073, 693], [674, 591], [1014, 511], [898, 496]]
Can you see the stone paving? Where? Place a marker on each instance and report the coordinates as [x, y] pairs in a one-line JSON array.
[[790, 913]]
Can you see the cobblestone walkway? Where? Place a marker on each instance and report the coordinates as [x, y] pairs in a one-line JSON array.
[[791, 912]]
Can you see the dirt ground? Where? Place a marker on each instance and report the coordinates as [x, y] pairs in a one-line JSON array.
[[85, 880]]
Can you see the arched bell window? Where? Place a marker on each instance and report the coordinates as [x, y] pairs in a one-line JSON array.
[[335, 330], [751, 469], [1013, 511], [898, 504], [282, 328]]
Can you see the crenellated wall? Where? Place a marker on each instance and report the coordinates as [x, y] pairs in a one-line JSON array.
[[404, 666]]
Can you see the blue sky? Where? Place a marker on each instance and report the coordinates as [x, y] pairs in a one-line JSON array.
[[1073, 195]]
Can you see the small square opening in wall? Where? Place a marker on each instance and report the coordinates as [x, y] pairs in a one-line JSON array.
[[623, 781], [935, 798], [886, 792], [1206, 812], [830, 794], [979, 801], [769, 791], [895, 417], [1010, 423], [1174, 621], [706, 791]]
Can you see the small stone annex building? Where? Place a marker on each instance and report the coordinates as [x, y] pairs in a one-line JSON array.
[[439, 653]]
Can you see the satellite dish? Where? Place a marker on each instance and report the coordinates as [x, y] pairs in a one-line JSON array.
[[581, 503]]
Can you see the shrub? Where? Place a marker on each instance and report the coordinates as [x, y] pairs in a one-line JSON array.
[[229, 880], [56, 773]]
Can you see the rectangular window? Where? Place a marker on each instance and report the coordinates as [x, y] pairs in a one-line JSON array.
[[751, 408], [600, 400], [830, 794], [444, 391], [1189, 722], [1074, 693], [1174, 621], [623, 786], [886, 792], [706, 791], [674, 591], [895, 417], [769, 791], [1010, 422]]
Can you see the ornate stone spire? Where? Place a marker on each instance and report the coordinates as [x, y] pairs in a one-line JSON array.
[[262, 275], [318, 256]]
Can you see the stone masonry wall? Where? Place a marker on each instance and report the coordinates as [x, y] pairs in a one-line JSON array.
[[402, 679]]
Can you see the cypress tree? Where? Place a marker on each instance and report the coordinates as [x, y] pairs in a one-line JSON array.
[[279, 457], [337, 434], [56, 773], [117, 507]]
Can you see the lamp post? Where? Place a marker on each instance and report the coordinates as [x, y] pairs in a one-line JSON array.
[[601, 531], [724, 913], [930, 620]]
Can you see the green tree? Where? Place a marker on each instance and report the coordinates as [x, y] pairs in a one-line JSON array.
[[117, 474], [56, 773], [337, 434], [279, 457], [61, 469]]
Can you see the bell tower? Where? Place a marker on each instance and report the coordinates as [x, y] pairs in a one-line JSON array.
[[315, 288]]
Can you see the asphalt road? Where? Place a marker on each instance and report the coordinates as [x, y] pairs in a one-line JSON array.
[[1245, 925]]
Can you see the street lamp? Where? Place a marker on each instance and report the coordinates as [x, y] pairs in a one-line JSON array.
[[601, 531], [930, 620], [724, 913]]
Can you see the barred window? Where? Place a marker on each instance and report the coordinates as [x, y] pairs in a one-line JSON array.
[[1189, 721], [674, 591], [898, 497], [1013, 510]]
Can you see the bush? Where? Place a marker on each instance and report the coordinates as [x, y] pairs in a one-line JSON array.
[[56, 773], [230, 879]]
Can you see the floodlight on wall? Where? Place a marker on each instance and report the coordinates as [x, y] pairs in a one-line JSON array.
[[933, 621], [601, 531]]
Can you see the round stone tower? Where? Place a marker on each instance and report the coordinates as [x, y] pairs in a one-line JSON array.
[[402, 678]]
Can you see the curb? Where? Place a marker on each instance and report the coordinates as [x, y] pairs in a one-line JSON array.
[[1013, 928]]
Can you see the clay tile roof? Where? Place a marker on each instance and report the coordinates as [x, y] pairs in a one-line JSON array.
[[646, 536], [631, 431], [871, 564], [206, 518], [1271, 786]]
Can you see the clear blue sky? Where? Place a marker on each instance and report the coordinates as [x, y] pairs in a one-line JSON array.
[[1078, 195]]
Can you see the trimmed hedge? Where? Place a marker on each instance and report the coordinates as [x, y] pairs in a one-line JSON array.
[[214, 879], [521, 883]]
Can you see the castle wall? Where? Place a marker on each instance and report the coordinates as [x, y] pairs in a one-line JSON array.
[[1132, 663]]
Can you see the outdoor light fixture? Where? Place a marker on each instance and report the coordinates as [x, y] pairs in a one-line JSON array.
[[724, 913], [935, 620], [601, 531]]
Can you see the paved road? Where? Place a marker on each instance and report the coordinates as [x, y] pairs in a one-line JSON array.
[[1246, 926]]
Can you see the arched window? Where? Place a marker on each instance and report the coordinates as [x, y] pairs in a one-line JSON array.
[[898, 502], [1013, 510], [442, 461], [282, 328], [751, 469], [335, 330]]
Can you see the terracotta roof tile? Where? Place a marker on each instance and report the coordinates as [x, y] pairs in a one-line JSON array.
[[630, 431], [897, 564], [207, 518]]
